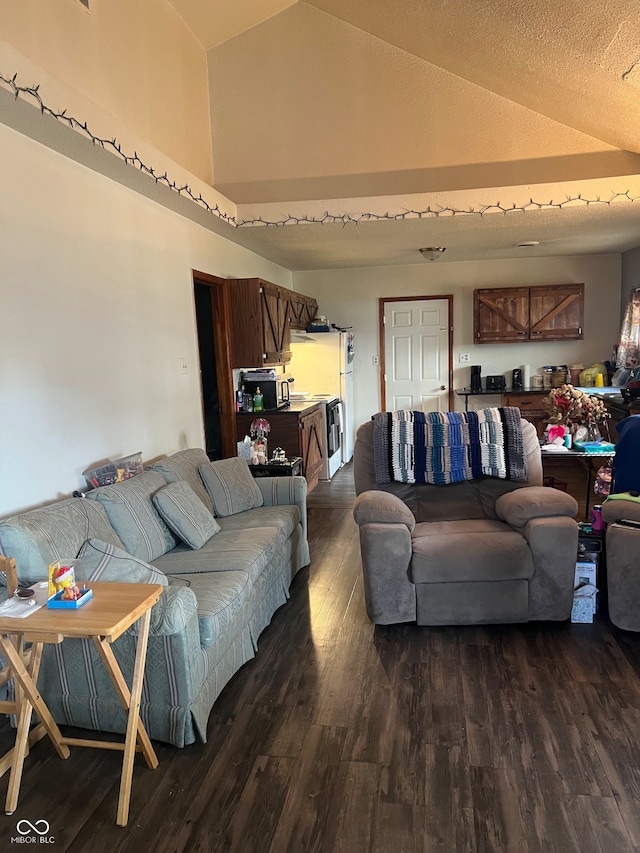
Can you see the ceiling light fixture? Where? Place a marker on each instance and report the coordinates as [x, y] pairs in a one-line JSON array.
[[430, 253], [529, 244]]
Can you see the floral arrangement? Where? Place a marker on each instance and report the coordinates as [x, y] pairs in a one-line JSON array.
[[567, 405], [260, 428]]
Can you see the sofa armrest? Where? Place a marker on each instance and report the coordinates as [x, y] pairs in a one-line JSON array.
[[520, 506], [621, 507], [378, 507], [175, 608], [285, 491]]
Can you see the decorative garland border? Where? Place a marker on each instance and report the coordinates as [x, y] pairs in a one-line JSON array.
[[114, 147]]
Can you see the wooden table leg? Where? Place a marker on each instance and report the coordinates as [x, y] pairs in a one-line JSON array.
[[27, 682], [136, 732]]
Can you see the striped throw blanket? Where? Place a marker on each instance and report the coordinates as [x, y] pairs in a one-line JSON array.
[[448, 447]]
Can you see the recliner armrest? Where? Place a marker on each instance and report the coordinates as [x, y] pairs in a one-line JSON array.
[[618, 507], [380, 507], [521, 505]]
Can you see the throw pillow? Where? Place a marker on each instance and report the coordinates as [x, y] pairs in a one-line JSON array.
[[131, 513], [100, 561], [185, 514], [231, 487]]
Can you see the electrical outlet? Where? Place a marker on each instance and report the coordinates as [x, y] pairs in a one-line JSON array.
[[464, 357], [375, 360]]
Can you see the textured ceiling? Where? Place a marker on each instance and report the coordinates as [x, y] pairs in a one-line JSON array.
[[358, 107]]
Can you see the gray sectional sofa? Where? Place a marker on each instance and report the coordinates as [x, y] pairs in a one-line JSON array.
[[247, 539]]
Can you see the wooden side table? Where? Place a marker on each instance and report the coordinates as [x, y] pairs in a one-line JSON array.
[[113, 608]]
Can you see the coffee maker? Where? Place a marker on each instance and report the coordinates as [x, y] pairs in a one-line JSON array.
[[476, 379], [516, 379]]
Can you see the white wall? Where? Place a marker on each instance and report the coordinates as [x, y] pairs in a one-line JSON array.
[[96, 297], [350, 298]]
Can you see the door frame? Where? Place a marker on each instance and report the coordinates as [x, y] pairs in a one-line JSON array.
[[382, 302], [221, 309]]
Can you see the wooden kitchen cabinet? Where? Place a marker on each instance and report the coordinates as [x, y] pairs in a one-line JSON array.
[[302, 310], [501, 314], [556, 313], [260, 331], [539, 313], [311, 445], [297, 433]]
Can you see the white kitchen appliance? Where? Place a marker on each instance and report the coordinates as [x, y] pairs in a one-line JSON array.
[[324, 366]]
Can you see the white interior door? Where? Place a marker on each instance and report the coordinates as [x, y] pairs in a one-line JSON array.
[[416, 352]]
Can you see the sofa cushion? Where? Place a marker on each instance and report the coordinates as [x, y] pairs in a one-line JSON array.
[[231, 487], [223, 602], [284, 518], [100, 561], [248, 550], [184, 466], [129, 507], [472, 550], [55, 532], [185, 514]]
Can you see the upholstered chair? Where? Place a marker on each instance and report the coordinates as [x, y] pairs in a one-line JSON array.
[[622, 515], [487, 550]]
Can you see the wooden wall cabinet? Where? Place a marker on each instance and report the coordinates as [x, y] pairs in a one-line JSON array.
[[540, 313], [302, 310], [262, 316], [260, 331], [297, 433]]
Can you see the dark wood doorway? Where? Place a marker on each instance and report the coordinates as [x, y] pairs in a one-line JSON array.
[[216, 379]]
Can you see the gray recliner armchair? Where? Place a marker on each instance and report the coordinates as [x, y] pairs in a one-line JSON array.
[[482, 551], [622, 515]]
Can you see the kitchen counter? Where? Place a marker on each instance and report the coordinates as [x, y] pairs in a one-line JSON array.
[[467, 392], [296, 407]]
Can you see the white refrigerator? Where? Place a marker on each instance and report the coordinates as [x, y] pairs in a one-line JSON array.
[[324, 365]]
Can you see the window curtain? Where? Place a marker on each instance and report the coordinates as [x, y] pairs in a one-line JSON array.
[[628, 353]]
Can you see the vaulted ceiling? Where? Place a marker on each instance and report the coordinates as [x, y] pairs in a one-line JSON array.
[[365, 109]]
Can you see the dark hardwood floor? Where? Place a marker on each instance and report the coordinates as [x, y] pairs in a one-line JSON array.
[[340, 736]]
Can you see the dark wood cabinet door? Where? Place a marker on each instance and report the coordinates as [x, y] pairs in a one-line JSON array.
[[309, 312], [261, 335], [556, 312], [312, 446], [276, 333], [501, 314], [302, 310], [246, 323]]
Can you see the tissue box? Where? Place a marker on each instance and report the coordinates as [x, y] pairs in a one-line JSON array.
[[244, 450]]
